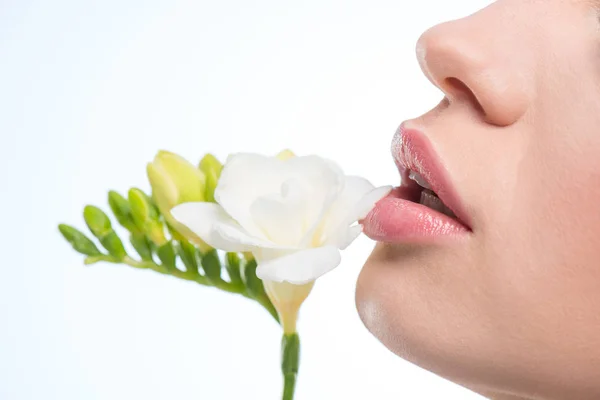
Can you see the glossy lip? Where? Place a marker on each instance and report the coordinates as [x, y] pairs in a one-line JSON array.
[[399, 217]]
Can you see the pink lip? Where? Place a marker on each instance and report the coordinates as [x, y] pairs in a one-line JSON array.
[[399, 217]]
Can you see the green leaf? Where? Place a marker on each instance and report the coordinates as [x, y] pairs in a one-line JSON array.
[[97, 221], [81, 243]]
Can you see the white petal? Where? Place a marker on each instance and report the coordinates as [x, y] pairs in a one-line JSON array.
[[203, 219], [367, 202], [355, 188], [244, 178], [300, 267], [234, 233], [282, 217], [340, 214], [321, 181], [347, 211], [322, 178], [251, 185], [346, 236], [317, 169]]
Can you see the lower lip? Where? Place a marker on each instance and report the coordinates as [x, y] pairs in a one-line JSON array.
[[398, 220]]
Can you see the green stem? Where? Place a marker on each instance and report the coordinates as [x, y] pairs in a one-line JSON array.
[[230, 287], [195, 277], [289, 386], [290, 362], [167, 271]]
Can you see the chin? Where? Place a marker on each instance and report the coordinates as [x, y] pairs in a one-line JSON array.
[[415, 301]]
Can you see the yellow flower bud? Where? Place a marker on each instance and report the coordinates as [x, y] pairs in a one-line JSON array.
[[174, 181], [145, 216], [211, 167], [285, 154], [287, 299]]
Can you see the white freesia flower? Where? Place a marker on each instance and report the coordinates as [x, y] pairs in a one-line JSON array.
[[294, 214]]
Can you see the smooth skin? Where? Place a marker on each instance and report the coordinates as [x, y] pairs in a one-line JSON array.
[[513, 310]]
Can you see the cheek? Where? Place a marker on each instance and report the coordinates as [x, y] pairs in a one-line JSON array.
[[541, 249], [559, 194], [540, 242], [556, 206], [556, 213]]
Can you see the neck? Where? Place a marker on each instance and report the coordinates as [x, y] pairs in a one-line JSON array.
[[494, 396]]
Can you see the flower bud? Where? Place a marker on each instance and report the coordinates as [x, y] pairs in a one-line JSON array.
[[99, 224], [97, 221], [146, 216], [142, 210], [188, 254], [211, 167], [232, 264], [140, 243], [175, 181], [121, 209], [78, 240], [114, 245], [166, 254], [212, 265], [285, 154]]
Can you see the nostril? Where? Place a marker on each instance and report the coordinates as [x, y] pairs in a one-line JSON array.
[[457, 89], [476, 74]]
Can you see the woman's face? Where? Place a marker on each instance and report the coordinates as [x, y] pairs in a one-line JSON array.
[[507, 302]]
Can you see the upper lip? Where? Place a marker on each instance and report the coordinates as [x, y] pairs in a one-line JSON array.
[[413, 151]]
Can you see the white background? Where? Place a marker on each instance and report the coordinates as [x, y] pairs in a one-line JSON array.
[[89, 91]]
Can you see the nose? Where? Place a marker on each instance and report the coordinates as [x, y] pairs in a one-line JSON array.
[[470, 61]]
